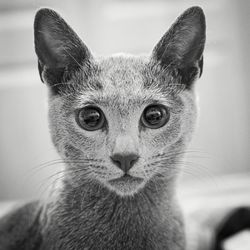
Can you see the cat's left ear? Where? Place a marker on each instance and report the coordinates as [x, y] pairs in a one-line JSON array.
[[181, 48], [59, 50]]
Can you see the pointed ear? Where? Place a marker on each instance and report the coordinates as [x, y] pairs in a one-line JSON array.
[[181, 48], [59, 50]]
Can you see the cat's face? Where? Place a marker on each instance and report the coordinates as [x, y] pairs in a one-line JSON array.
[[122, 121]]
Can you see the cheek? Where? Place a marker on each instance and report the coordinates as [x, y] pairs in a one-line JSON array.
[[65, 132], [156, 139], [90, 143]]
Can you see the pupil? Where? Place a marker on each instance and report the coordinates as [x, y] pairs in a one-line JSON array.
[[91, 117], [154, 116]]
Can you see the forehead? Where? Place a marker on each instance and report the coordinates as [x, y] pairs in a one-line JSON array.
[[123, 80], [124, 83], [122, 72]]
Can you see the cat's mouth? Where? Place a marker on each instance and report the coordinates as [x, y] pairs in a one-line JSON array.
[[126, 184], [126, 178]]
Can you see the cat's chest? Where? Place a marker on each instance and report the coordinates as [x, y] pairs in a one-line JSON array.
[[110, 233]]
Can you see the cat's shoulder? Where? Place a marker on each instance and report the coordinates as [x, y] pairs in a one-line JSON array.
[[20, 228]]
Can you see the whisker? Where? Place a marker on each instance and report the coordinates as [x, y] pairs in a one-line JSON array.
[[61, 161], [60, 175]]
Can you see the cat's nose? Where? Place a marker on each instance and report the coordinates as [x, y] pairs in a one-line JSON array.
[[124, 161]]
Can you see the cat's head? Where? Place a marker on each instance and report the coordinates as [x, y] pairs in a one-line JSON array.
[[122, 121]]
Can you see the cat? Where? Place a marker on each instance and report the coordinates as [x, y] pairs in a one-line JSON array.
[[121, 124]]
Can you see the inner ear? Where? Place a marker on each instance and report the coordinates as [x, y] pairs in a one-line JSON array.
[[51, 48], [181, 47], [59, 50]]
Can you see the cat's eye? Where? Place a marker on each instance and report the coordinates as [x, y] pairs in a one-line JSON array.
[[90, 118], [155, 116]]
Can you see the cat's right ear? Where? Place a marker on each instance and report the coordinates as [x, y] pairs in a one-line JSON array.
[[59, 50]]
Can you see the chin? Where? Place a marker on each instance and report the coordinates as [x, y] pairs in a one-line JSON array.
[[126, 185]]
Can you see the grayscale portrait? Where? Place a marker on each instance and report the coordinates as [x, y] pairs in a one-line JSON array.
[[124, 125]]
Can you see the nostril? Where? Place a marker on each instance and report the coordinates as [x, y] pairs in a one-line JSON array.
[[116, 160], [132, 159], [124, 161]]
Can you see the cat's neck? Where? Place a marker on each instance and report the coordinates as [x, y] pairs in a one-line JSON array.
[[103, 220]]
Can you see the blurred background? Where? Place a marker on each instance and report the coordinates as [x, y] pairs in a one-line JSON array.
[[221, 145]]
